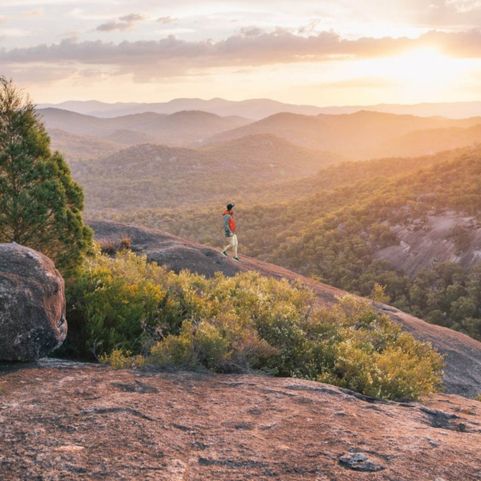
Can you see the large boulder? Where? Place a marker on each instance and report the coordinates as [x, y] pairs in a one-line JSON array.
[[32, 304]]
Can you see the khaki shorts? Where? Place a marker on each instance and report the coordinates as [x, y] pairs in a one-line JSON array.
[[232, 240]]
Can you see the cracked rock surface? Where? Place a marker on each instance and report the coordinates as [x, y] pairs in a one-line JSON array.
[[62, 421]]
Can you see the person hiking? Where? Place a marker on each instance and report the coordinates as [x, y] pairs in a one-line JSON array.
[[230, 231]]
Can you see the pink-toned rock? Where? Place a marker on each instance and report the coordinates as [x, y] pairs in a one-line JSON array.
[[32, 304]]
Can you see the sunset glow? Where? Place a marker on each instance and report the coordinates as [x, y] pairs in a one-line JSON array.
[[313, 52]]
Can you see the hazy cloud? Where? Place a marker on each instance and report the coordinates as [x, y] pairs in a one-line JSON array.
[[34, 13], [251, 47], [166, 20], [123, 23], [131, 18]]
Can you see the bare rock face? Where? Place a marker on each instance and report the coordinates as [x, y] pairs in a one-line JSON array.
[[32, 304], [176, 426]]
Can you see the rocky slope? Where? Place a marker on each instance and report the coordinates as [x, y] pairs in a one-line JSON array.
[[446, 237], [66, 421], [462, 353]]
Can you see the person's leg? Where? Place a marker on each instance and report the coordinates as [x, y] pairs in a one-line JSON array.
[[235, 244], [228, 246]]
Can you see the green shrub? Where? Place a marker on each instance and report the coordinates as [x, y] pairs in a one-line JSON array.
[[378, 293], [129, 312], [119, 303], [121, 359]]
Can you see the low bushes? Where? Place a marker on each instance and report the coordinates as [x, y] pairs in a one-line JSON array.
[[131, 312]]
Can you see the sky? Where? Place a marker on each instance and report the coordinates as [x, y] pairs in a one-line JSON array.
[[318, 52]]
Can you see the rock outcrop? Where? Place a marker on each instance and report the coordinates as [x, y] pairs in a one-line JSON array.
[[32, 304], [67, 421], [462, 374], [445, 237]]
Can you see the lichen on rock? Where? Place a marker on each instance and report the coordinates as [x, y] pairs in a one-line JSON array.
[[32, 304]]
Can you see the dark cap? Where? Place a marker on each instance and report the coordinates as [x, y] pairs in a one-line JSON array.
[[230, 206]]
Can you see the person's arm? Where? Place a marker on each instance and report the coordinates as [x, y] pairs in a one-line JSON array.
[[232, 224], [227, 225]]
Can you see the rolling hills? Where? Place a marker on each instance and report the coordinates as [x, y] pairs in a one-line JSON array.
[[180, 128], [359, 135], [433, 140], [154, 175], [78, 147]]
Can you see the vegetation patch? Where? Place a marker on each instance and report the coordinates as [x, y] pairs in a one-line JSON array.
[[129, 312]]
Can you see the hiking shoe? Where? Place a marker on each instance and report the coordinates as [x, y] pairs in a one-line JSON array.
[[224, 253], [236, 259]]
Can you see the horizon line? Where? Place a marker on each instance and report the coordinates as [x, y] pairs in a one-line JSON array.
[[405, 104]]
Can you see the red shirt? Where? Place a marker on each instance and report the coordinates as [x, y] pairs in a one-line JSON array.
[[231, 221]]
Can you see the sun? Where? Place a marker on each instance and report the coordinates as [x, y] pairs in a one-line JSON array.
[[416, 75], [425, 64]]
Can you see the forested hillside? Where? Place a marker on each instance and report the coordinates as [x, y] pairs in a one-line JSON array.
[[156, 175], [344, 233]]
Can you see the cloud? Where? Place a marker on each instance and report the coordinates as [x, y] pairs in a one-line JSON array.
[[123, 23], [166, 20], [131, 18], [172, 56], [451, 14], [34, 13], [358, 83]]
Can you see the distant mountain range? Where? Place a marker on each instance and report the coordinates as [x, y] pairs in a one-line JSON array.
[[256, 109], [180, 128], [364, 134], [252, 109], [360, 135]]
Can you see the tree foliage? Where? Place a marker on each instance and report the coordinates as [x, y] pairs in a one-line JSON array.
[[40, 204]]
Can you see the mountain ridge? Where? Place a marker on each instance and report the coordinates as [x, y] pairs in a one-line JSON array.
[[258, 108], [355, 135], [179, 128]]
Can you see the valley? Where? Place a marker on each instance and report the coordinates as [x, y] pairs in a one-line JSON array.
[[406, 216]]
